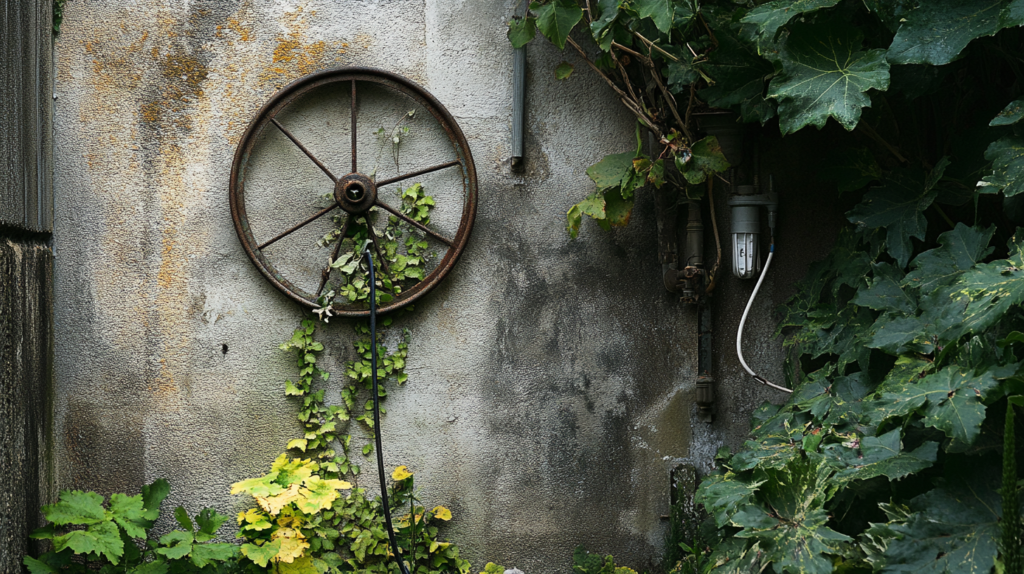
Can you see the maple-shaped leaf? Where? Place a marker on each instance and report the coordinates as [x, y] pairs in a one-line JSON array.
[[953, 528], [293, 544], [273, 504], [766, 19], [204, 554], [1007, 157], [129, 513], [260, 486], [209, 521], [76, 507], [176, 544], [741, 77], [952, 401], [883, 292], [938, 30], [293, 471], [152, 496], [825, 74], [959, 249], [659, 11], [261, 554], [706, 158], [303, 565], [319, 493], [792, 523], [556, 19], [880, 456], [724, 494], [991, 290], [100, 539], [897, 207]]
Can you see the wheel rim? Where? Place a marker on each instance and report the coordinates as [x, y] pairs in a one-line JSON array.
[[355, 194]]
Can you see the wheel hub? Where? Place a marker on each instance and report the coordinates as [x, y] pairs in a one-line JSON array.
[[355, 193]]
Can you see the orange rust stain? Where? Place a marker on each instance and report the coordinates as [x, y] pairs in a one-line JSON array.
[[244, 34]]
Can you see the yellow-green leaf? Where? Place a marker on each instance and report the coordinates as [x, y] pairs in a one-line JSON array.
[[442, 513], [299, 443], [401, 473]]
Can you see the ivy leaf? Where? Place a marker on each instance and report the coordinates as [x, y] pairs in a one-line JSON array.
[[880, 456], [617, 210], [261, 486], [959, 249], [556, 19], [938, 30], [767, 18], [1007, 157], [823, 75], [884, 292], [706, 158], [152, 496], [521, 31], [102, 538], [609, 172], [851, 169], [176, 544], [205, 554], [1011, 114], [563, 71], [209, 521], [659, 11], [592, 206], [897, 208], [76, 507], [953, 528]]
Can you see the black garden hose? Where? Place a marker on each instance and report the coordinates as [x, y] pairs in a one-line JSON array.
[[376, 414]]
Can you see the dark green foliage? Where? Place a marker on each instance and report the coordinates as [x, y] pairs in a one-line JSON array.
[[1010, 540]]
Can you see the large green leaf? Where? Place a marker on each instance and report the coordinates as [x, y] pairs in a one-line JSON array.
[[1011, 114], [959, 249], [592, 206], [880, 456], [791, 526], [992, 290], [824, 74], [175, 544], [76, 507], [952, 400], [740, 77], [723, 494], [152, 496], [766, 19], [209, 521], [896, 207], [101, 539], [891, 12], [953, 528], [938, 30], [659, 11], [556, 19], [706, 158], [1007, 157], [262, 554], [883, 291], [609, 172], [203, 554], [521, 31], [128, 512]]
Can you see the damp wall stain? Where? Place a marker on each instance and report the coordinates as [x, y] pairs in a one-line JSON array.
[[550, 381]]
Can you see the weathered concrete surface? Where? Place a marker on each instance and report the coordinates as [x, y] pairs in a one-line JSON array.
[[550, 381], [26, 400], [26, 264]]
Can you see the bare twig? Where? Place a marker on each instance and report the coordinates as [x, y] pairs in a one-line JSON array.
[[643, 58], [670, 101], [586, 7], [651, 44], [631, 105]]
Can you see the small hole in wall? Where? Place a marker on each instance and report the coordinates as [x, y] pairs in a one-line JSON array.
[[224, 348]]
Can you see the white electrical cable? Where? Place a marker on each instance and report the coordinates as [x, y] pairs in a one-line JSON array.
[[739, 333]]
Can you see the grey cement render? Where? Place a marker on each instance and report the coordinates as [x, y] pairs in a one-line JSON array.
[[550, 381]]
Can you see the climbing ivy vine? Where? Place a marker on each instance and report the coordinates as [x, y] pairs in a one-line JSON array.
[[906, 344]]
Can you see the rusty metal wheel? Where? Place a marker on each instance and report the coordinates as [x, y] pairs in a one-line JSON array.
[[284, 183]]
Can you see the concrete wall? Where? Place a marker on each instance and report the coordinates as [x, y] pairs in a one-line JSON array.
[[26, 262], [550, 381]]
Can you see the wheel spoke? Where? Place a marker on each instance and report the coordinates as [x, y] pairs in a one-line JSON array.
[[311, 219], [354, 170], [414, 223], [334, 255], [391, 180], [304, 150], [380, 255]]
